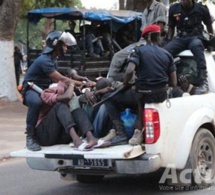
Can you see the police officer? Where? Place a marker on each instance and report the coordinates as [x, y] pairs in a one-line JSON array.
[[187, 16], [42, 72], [154, 69]]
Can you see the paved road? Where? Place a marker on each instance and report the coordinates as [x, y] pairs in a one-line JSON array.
[[18, 179]]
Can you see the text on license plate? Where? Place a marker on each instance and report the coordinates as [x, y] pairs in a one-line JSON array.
[[91, 162]]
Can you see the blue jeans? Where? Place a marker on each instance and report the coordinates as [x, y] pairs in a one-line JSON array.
[[95, 47], [179, 44], [101, 122]]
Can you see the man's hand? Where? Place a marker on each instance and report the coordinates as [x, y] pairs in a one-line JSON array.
[[104, 90], [90, 96], [90, 84], [184, 83]]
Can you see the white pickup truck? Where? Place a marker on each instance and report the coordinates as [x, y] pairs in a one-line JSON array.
[[179, 135]]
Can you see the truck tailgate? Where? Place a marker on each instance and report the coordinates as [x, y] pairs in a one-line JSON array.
[[61, 151]]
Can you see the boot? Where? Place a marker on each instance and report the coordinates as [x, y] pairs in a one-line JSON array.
[[137, 137], [93, 55], [121, 137], [31, 143], [203, 86]]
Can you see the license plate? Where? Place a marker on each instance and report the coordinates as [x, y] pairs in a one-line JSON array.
[[102, 163]]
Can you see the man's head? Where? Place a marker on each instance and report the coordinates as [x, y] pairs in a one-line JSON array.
[[72, 24], [187, 4], [102, 83], [71, 72], [58, 41], [147, 2], [151, 33], [16, 48], [161, 21]]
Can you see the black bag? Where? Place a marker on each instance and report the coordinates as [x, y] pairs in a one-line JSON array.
[[25, 87]]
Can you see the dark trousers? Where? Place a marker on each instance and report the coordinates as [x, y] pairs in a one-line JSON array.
[[55, 127], [193, 43], [134, 100], [101, 122], [126, 99], [34, 103], [17, 73], [113, 106]]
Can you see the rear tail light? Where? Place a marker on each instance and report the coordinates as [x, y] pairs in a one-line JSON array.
[[152, 125]]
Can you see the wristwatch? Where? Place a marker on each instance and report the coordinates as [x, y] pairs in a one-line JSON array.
[[84, 82], [86, 79]]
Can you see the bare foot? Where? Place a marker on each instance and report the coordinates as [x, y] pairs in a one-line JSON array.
[[77, 143], [92, 141]]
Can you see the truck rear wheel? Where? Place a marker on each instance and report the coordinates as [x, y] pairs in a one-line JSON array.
[[89, 178], [202, 158]]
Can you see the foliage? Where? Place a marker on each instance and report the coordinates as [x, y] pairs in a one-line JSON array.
[[35, 32], [28, 5], [9, 10]]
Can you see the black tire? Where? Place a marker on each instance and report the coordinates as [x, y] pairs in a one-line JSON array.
[[89, 178], [202, 158]]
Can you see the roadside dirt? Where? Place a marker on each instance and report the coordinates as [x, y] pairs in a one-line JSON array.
[[12, 127], [15, 108]]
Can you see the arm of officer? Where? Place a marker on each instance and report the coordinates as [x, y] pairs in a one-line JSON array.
[[210, 29], [173, 79], [67, 95], [129, 72], [171, 23], [56, 76], [207, 19], [171, 32]]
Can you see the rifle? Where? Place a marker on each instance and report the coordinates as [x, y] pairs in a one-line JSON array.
[[113, 94]]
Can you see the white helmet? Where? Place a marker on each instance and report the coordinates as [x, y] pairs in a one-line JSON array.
[[53, 38], [68, 39]]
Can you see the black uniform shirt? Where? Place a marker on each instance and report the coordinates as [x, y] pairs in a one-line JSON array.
[[40, 70], [153, 65], [189, 21]]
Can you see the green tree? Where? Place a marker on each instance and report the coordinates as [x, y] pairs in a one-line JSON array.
[[9, 10], [137, 5], [28, 5]]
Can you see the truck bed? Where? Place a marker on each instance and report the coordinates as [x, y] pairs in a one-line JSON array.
[[64, 151]]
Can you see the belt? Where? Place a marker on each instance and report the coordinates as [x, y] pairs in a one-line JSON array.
[[152, 91], [185, 34]]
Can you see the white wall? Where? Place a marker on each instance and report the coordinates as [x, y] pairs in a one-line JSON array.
[[8, 87]]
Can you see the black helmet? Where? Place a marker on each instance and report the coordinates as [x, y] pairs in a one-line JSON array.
[[54, 37]]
